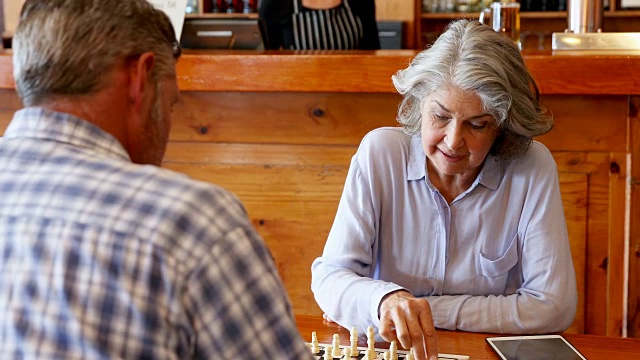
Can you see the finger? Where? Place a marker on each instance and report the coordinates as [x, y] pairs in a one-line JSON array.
[[387, 329], [401, 329], [429, 332], [417, 343], [327, 318]]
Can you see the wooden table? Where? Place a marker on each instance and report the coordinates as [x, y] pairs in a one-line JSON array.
[[474, 344]]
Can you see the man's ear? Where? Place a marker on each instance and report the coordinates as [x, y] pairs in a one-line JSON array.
[[139, 75]]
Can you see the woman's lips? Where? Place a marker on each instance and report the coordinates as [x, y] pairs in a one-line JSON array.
[[450, 157]]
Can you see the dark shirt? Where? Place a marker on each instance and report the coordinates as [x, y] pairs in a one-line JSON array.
[[277, 16]]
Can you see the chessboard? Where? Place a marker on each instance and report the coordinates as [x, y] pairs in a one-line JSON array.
[[380, 354], [353, 352]]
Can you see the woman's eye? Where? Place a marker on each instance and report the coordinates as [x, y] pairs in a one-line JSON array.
[[440, 117], [478, 126]]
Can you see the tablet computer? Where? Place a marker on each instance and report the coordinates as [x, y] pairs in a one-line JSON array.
[[534, 347]]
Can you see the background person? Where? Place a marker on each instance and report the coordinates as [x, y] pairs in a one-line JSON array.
[[320, 24], [455, 219], [104, 254]]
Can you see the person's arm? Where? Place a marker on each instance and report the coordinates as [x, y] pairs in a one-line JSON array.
[[367, 14], [270, 11], [342, 279], [546, 301], [277, 18], [238, 306]]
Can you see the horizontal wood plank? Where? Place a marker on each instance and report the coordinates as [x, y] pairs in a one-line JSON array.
[[371, 71]]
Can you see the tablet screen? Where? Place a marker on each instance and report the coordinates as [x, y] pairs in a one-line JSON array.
[[534, 348]]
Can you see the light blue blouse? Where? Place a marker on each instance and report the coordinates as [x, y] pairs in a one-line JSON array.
[[497, 259]]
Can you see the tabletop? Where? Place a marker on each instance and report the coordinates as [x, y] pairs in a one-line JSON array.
[[474, 344]]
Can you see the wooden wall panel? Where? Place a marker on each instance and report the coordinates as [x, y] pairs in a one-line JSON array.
[[574, 188], [593, 123], [9, 103], [282, 118], [616, 262]]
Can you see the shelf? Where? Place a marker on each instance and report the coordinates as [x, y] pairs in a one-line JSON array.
[[622, 13], [527, 15], [475, 15]]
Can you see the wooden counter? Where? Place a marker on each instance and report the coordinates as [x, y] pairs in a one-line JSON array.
[[279, 129], [370, 72]]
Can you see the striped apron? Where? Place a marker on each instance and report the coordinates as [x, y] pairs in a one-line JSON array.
[[325, 29]]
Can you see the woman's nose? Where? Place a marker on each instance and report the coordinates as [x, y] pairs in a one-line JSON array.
[[454, 137]]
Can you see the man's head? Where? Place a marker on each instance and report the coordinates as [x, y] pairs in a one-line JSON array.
[[72, 50]]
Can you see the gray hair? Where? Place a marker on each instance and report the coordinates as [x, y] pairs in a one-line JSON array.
[[68, 47], [473, 57]]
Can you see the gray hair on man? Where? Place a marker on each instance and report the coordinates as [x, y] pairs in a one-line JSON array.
[[473, 57], [68, 47]]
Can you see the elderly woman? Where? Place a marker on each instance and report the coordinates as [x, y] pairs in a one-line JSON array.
[[455, 219]]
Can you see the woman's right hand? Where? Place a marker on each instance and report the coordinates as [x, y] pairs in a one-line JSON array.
[[408, 321]]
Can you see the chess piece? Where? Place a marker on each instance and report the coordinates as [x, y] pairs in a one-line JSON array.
[[387, 355], [336, 346], [370, 338], [370, 354], [346, 353], [315, 346], [393, 351], [327, 352], [371, 344], [354, 341], [409, 355]]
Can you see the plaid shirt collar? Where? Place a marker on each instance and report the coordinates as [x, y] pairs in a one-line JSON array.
[[40, 123]]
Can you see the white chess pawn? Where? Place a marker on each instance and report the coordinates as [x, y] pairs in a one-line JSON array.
[[327, 353], [315, 346], [387, 355], [354, 341], [346, 353], [370, 354], [370, 338], [393, 351], [409, 355], [336, 346]]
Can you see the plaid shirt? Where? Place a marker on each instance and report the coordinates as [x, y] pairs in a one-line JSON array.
[[102, 258]]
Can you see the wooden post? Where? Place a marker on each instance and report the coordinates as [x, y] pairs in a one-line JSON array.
[[633, 201]]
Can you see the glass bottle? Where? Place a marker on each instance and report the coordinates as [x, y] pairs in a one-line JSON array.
[[192, 7]]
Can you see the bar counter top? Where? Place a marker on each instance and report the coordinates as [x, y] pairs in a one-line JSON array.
[[370, 71]]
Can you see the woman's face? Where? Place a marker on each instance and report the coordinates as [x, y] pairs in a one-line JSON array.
[[456, 133]]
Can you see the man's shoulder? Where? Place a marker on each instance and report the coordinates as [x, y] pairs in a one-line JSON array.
[[179, 211], [178, 188]]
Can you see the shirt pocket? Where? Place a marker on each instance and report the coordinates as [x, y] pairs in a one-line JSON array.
[[496, 268]]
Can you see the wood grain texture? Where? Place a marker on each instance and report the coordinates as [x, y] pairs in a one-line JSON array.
[[475, 344], [616, 279], [574, 190], [633, 319], [371, 71]]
